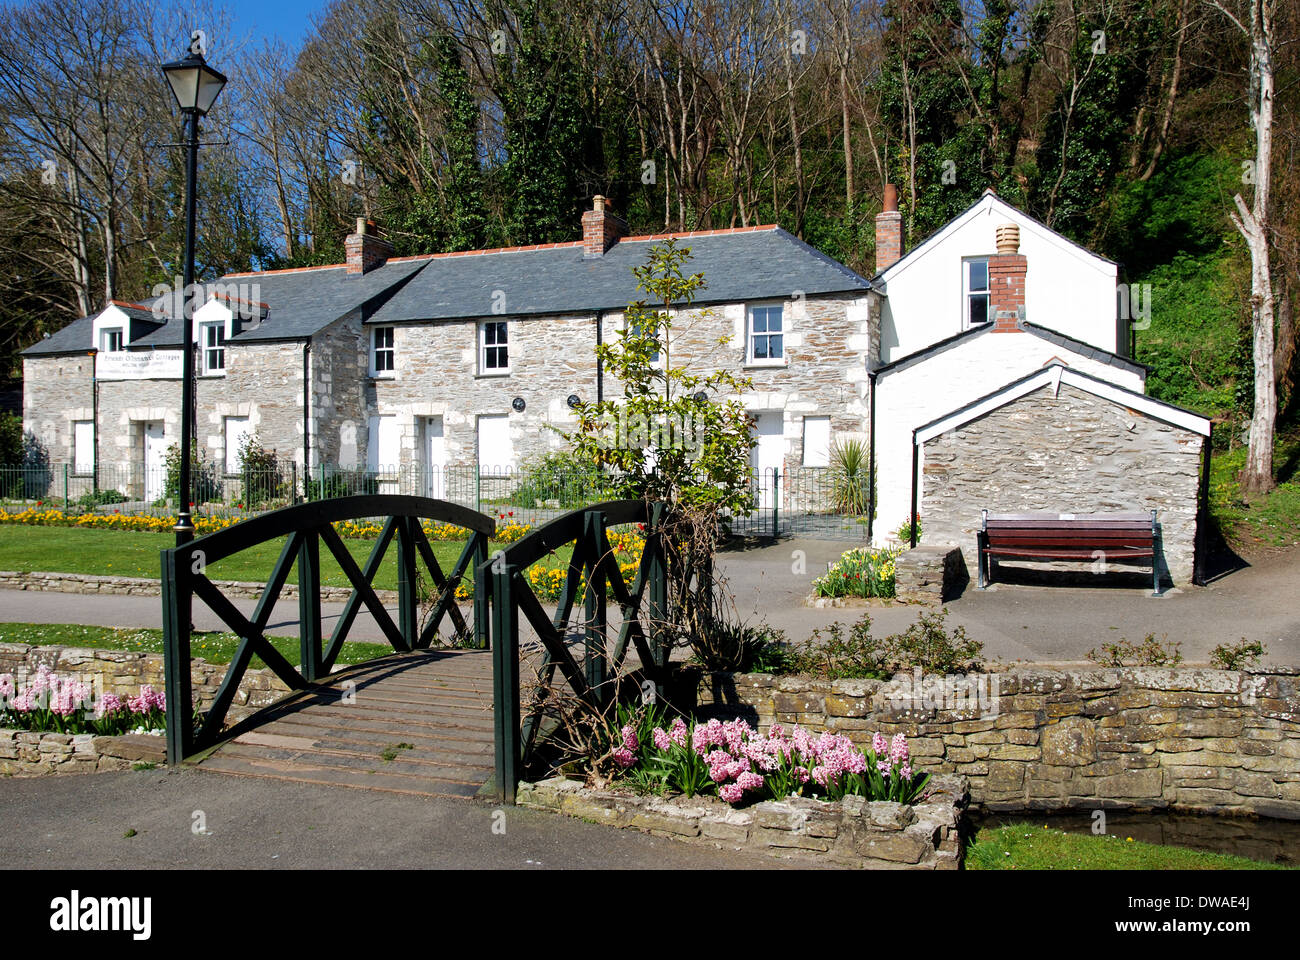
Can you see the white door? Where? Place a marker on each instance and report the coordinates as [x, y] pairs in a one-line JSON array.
[[237, 430], [496, 454], [768, 454], [383, 452], [435, 459], [155, 460]]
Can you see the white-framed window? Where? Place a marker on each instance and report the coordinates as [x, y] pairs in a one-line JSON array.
[[236, 429], [975, 291], [766, 339], [382, 355], [212, 340], [83, 447], [816, 441], [643, 329], [493, 347], [110, 340]]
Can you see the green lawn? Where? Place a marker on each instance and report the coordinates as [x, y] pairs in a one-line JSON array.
[[132, 554], [213, 647], [1023, 846], [1272, 519]]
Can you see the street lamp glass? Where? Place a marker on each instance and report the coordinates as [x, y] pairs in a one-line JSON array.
[[194, 83]]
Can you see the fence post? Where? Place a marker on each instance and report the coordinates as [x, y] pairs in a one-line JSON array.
[[478, 488], [176, 602], [658, 586], [65, 488], [776, 502], [505, 674], [293, 481], [320, 490], [481, 633], [594, 608], [309, 606], [408, 599]]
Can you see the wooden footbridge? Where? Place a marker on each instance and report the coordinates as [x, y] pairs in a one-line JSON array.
[[441, 715]]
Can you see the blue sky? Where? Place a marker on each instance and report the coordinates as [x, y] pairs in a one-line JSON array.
[[288, 19]]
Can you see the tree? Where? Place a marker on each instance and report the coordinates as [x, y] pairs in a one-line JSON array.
[[675, 437], [1253, 223]]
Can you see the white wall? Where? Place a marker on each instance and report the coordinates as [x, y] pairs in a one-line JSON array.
[[928, 389], [1068, 289]]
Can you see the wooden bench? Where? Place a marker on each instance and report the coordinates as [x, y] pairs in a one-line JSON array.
[[1108, 537]]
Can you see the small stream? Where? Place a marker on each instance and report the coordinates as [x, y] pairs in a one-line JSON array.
[[1265, 840]]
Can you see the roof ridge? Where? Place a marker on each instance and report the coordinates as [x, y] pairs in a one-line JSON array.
[[133, 306]]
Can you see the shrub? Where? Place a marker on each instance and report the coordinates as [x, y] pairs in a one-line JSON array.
[[260, 470], [203, 476], [342, 483], [11, 439], [926, 644], [1149, 653], [728, 645], [860, 572], [91, 499], [905, 531], [557, 477], [1238, 656], [850, 480]]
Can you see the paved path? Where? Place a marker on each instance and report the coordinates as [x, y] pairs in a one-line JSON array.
[[79, 821], [1015, 622], [437, 705]]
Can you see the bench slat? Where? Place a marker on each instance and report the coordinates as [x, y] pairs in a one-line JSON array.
[[1117, 556]]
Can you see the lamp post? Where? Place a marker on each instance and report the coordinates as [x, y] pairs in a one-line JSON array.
[[195, 86]]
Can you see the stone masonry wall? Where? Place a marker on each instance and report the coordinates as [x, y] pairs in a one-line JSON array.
[[1193, 739], [1074, 453], [28, 752]]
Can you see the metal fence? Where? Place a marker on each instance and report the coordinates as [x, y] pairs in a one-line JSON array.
[[808, 502]]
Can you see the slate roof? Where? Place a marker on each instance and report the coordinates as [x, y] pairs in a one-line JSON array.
[[753, 263], [1045, 333], [78, 336]]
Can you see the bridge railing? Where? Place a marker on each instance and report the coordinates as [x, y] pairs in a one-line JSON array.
[[305, 528], [505, 594]]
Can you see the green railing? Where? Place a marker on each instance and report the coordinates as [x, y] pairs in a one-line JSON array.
[[305, 528], [504, 594]]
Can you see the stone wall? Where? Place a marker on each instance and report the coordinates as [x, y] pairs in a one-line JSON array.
[[1073, 453], [1141, 737], [852, 832], [123, 672], [28, 753], [929, 574]]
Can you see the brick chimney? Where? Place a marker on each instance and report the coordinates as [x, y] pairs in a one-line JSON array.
[[601, 229], [1007, 269], [366, 248], [889, 231]]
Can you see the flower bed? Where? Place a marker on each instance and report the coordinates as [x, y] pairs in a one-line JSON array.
[[859, 572], [59, 705], [850, 832], [742, 765]]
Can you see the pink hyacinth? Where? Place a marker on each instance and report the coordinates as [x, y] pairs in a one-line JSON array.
[[898, 752], [108, 703], [677, 732], [731, 792], [624, 757], [749, 781], [661, 739], [6, 686], [879, 744], [629, 737]]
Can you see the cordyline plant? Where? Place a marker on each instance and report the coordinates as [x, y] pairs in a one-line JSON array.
[[675, 437]]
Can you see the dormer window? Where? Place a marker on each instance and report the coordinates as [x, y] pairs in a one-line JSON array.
[[212, 338], [110, 340], [975, 284]]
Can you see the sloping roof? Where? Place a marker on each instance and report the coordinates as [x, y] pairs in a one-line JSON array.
[[749, 263], [988, 199], [745, 264], [78, 336], [1045, 333], [1058, 373]]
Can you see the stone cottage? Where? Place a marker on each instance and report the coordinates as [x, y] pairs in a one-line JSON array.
[[468, 361]]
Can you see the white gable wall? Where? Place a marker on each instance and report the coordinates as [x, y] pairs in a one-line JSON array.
[[939, 384], [1068, 289]]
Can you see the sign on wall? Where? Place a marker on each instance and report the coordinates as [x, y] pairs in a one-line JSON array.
[[138, 365]]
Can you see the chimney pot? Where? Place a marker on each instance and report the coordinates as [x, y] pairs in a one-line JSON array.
[[1008, 238], [891, 197]]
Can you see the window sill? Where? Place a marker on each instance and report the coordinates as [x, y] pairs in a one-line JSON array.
[[386, 375], [766, 364], [491, 374], [216, 375]]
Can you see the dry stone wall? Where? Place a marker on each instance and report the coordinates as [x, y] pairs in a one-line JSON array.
[[29, 753], [1185, 738]]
